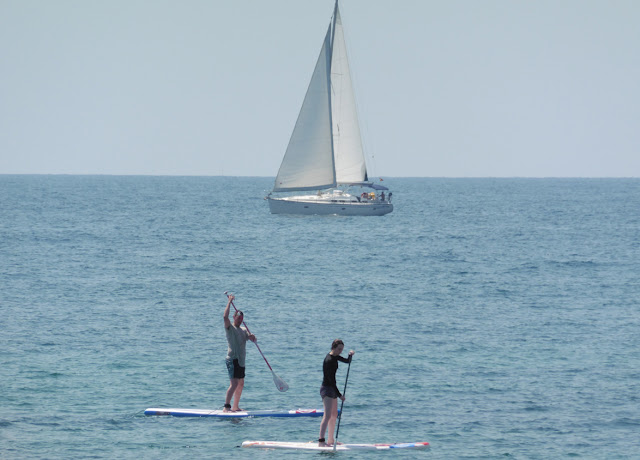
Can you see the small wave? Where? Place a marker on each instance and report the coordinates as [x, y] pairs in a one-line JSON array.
[[533, 407], [626, 422]]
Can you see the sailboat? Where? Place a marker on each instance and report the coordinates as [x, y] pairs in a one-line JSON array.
[[325, 154]]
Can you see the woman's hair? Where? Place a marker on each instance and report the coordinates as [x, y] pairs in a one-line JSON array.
[[335, 344]]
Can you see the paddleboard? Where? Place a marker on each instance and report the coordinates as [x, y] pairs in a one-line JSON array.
[[341, 447], [248, 413]]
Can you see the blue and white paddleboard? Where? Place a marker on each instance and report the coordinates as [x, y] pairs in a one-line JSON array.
[[341, 447], [245, 413]]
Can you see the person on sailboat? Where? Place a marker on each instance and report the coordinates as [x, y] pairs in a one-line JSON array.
[[237, 339], [329, 390]]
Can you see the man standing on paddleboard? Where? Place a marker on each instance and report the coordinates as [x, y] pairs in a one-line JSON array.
[[329, 390], [237, 338]]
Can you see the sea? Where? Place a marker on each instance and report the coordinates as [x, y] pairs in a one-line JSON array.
[[492, 318]]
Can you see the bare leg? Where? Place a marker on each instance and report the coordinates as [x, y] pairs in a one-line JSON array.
[[327, 402], [230, 391], [332, 421], [237, 394]]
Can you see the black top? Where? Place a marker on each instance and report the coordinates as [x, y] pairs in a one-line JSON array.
[[329, 368]]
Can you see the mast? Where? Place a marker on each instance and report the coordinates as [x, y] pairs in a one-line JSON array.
[[333, 24], [330, 92]]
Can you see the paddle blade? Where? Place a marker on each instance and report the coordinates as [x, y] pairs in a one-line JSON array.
[[281, 385]]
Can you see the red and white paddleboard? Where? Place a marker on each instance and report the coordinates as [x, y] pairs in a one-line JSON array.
[[341, 447]]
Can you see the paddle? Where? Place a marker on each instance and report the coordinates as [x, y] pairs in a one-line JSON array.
[[344, 392], [281, 385]]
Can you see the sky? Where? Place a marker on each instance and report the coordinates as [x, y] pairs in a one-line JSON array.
[[455, 88]]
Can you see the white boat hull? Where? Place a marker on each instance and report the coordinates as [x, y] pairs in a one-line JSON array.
[[311, 206]]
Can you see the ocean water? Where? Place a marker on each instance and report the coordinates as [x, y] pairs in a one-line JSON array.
[[490, 317]]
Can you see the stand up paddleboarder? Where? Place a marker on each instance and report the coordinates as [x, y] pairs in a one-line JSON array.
[[237, 338], [329, 390]]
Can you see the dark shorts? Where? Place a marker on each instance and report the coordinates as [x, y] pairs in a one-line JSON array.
[[235, 370], [328, 391]]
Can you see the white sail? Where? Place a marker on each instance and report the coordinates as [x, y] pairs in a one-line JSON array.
[[325, 149], [347, 142], [308, 162]]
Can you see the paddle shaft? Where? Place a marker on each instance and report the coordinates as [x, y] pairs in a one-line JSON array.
[[344, 392], [247, 327]]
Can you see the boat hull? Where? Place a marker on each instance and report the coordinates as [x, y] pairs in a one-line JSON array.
[[323, 207]]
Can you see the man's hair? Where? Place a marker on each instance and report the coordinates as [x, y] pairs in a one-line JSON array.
[[335, 344]]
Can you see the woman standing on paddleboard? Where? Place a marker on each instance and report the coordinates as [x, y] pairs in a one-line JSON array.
[[329, 390]]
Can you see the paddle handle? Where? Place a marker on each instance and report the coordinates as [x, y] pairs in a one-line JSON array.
[[247, 327]]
